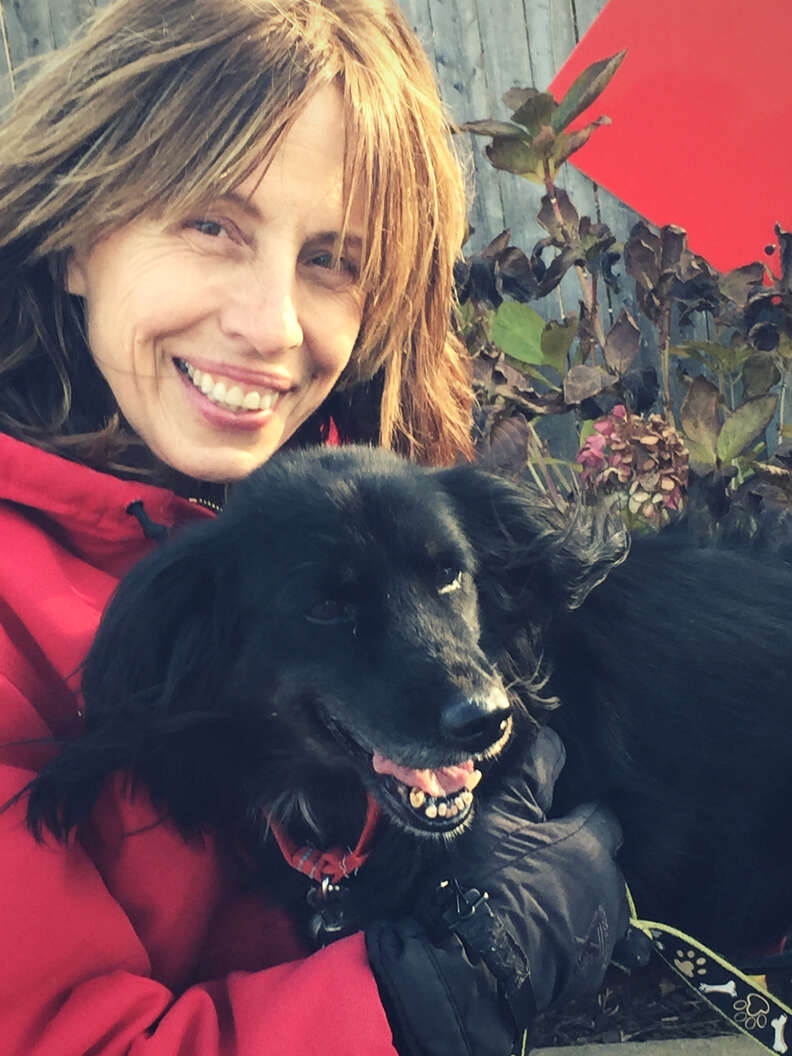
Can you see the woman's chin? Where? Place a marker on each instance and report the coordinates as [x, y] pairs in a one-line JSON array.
[[216, 463]]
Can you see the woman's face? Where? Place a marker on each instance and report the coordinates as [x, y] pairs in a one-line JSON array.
[[221, 333]]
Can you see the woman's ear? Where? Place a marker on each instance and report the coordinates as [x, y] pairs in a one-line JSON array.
[[75, 273]]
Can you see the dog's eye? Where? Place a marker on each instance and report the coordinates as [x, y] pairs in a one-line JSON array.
[[450, 579], [331, 611]]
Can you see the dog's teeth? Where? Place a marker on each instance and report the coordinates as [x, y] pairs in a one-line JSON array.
[[473, 780], [452, 811], [417, 797], [459, 803], [431, 810], [466, 796], [442, 809]]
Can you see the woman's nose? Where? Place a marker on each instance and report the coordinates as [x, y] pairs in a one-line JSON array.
[[262, 311]]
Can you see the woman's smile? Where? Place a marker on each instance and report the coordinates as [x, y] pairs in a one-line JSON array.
[[248, 399], [221, 334]]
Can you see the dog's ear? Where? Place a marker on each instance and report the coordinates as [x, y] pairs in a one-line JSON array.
[[150, 681], [536, 554], [164, 636]]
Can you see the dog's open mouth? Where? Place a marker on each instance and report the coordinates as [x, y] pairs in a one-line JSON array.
[[436, 800]]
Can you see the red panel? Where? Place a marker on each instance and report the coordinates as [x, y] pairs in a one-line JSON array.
[[702, 118]]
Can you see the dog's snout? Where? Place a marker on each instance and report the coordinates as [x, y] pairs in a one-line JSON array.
[[475, 723]]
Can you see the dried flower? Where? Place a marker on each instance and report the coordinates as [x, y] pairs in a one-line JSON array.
[[643, 458]]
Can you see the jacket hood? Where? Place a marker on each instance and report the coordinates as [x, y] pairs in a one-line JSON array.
[[89, 509]]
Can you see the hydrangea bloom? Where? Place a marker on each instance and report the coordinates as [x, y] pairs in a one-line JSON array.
[[644, 458]]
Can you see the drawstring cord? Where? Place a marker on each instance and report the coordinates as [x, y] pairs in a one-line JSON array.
[[151, 530]]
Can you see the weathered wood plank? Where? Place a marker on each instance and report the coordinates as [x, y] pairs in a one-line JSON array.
[[6, 75], [67, 16], [29, 29]]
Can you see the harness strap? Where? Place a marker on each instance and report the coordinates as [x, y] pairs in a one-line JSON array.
[[336, 862], [742, 999]]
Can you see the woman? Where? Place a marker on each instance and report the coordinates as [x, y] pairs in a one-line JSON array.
[[226, 226]]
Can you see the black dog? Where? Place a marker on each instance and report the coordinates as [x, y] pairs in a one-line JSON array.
[[353, 626]]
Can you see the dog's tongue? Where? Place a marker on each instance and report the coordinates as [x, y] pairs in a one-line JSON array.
[[443, 781]]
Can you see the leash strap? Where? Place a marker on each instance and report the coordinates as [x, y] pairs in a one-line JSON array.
[[743, 1000], [336, 862]]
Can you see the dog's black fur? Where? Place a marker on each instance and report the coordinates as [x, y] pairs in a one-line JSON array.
[[348, 603]]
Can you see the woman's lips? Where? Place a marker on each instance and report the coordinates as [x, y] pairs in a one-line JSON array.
[[226, 402]]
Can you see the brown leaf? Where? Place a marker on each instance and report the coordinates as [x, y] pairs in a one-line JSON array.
[[642, 255], [673, 241], [569, 142], [739, 284], [505, 449], [622, 343], [582, 382], [549, 219]]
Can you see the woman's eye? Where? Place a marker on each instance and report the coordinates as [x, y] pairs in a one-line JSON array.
[[213, 228], [449, 580], [334, 271]]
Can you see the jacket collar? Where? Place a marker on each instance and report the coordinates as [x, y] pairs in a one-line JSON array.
[[83, 500]]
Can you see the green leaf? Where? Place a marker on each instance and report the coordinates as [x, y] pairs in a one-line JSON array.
[[490, 127], [759, 375], [517, 156], [544, 143], [585, 90], [517, 329], [784, 348], [698, 417], [744, 425], [719, 358], [557, 340], [586, 430], [536, 110], [702, 459]]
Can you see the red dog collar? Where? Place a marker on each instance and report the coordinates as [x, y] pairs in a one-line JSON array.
[[336, 862]]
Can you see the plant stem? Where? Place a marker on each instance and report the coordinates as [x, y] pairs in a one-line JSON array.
[[782, 405], [587, 287], [550, 487], [664, 336]]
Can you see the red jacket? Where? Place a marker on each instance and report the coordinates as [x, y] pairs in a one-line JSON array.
[[129, 940]]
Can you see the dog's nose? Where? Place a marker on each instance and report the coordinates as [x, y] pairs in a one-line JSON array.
[[475, 723]]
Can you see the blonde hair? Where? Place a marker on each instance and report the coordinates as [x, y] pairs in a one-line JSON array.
[[162, 105]]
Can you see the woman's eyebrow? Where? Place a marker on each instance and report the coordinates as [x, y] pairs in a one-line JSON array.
[[329, 238], [249, 207], [243, 202]]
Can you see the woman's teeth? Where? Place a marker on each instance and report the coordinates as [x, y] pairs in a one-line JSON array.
[[228, 394]]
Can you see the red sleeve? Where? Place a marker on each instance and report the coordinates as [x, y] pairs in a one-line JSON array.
[[76, 977]]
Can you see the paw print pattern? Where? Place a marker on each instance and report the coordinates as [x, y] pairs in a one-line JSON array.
[[752, 1012], [689, 964]]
